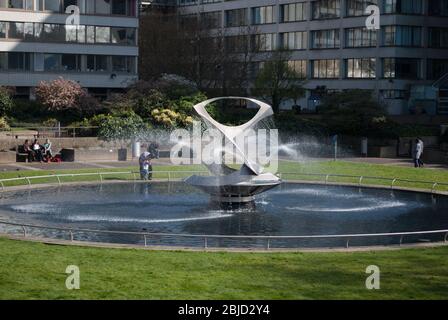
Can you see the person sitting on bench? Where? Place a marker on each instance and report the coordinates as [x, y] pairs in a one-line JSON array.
[[48, 154], [27, 149], [37, 149]]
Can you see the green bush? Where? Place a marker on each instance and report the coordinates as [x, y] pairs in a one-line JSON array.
[[6, 103], [120, 126], [4, 126]]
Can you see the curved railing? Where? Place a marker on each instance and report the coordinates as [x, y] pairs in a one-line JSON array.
[[145, 237], [175, 175]]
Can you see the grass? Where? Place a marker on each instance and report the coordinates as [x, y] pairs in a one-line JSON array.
[[289, 170], [36, 271]]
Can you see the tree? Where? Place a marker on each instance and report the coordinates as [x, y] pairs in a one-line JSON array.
[[120, 126], [353, 112], [6, 102], [60, 94], [277, 81]]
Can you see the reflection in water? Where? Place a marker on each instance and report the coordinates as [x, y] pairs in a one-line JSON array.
[[293, 209]]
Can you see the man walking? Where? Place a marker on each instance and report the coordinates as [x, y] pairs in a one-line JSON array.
[[418, 150]]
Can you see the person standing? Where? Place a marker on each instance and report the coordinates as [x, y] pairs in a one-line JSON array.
[[418, 150], [144, 165], [420, 161]]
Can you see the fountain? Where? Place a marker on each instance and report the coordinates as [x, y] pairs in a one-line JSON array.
[[228, 185]]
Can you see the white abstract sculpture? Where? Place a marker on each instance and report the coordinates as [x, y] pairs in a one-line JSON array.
[[235, 186]]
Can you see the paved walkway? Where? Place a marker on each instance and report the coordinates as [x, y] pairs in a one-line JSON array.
[[163, 162]]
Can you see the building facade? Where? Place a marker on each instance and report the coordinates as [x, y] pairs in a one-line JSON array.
[[94, 43], [404, 63]]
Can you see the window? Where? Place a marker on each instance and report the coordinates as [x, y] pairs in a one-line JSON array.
[[102, 6], [236, 18], [293, 12], [52, 33], [122, 64], [3, 29], [438, 37], [358, 7], [16, 30], [408, 36], [28, 30], [16, 4], [323, 69], [437, 68], [68, 3], [326, 9], [360, 37], [293, 40], [404, 6], [264, 42], [81, 34], [236, 44], [70, 62], [90, 34], [325, 39], [3, 61], [102, 35], [52, 62], [401, 68], [52, 5], [363, 68], [263, 15], [18, 61], [438, 7], [211, 19], [394, 94], [71, 33], [299, 66], [97, 63], [119, 7], [123, 35]]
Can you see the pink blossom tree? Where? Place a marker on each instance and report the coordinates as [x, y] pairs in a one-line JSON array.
[[60, 94]]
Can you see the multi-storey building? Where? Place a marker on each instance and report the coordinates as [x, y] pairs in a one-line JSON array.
[[40, 41], [404, 63]]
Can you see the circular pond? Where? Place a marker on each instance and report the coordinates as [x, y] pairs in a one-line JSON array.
[[289, 210]]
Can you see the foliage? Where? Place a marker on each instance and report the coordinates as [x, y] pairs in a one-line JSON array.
[[6, 102], [291, 123], [277, 81], [4, 126], [51, 122], [353, 112], [167, 102], [120, 126], [60, 94]]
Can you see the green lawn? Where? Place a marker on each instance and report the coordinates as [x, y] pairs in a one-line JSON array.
[[288, 170], [36, 271]]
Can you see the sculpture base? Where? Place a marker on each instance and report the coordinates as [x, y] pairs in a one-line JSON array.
[[234, 188]]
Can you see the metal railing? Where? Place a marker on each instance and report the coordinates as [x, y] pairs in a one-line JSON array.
[[147, 236], [392, 182], [171, 176], [175, 175]]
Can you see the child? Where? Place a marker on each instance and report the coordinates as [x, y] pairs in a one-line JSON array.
[[145, 168]]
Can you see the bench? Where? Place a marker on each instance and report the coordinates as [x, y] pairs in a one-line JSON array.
[[21, 155]]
